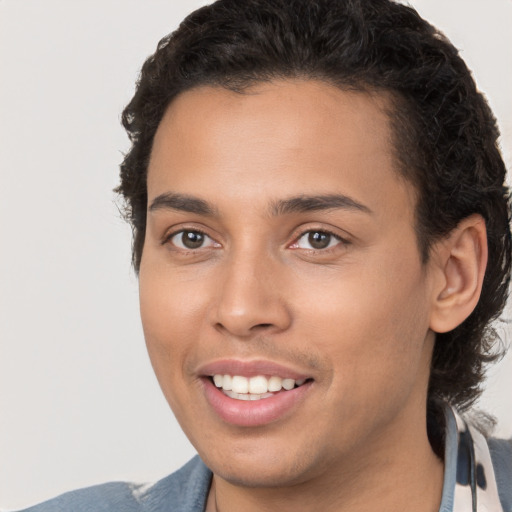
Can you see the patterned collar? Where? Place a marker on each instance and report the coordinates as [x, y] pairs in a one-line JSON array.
[[469, 480]]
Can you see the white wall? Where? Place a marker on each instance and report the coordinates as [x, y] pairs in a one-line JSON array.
[[78, 400]]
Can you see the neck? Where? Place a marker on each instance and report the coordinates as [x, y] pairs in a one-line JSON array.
[[398, 471]]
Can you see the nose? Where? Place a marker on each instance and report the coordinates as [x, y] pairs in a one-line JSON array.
[[250, 297]]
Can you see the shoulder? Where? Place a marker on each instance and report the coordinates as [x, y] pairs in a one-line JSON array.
[[100, 498], [185, 490], [478, 468], [501, 455]]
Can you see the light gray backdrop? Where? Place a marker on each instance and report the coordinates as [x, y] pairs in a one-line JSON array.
[[78, 400]]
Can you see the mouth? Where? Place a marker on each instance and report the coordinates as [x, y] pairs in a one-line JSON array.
[[253, 394], [239, 387]]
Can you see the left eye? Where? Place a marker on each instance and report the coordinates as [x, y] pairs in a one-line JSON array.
[[188, 239], [317, 240]]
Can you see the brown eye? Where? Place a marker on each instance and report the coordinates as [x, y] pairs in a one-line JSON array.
[[317, 240], [191, 240]]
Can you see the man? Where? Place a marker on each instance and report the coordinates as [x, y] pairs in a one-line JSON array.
[[321, 232]]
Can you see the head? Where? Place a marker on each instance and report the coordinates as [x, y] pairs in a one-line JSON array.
[[316, 193], [444, 136]]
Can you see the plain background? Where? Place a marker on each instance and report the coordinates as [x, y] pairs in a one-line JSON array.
[[78, 400]]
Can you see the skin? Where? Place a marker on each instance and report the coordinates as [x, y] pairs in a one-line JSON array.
[[356, 316]]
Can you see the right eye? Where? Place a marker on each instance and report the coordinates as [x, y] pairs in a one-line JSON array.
[[188, 240]]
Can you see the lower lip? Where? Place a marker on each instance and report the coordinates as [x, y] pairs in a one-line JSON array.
[[254, 413]]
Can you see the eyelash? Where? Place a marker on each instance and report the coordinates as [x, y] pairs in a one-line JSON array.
[[167, 239], [294, 245], [338, 238]]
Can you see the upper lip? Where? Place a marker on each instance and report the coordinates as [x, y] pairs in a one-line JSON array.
[[250, 369]]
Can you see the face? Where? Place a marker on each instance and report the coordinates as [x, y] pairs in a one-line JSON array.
[[280, 253]]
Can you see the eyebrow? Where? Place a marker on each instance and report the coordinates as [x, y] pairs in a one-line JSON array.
[[182, 202], [301, 204], [297, 204]]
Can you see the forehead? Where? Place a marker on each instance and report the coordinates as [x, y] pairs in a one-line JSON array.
[[289, 111], [276, 137]]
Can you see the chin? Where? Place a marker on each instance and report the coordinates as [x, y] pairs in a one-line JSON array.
[[257, 476], [265, 468]]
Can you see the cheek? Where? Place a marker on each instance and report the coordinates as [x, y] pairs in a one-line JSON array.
[[171, 318], [171, 300], [373, 324]]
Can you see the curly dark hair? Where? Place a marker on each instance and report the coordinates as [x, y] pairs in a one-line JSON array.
[[445, 136]]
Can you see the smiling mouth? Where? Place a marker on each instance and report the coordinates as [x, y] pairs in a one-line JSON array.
[[258, 387]]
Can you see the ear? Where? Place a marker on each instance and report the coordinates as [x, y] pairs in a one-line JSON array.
[[459, 264]]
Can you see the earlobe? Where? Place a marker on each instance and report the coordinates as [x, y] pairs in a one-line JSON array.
[[461, 261]]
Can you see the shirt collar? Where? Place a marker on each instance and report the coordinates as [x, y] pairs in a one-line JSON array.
[[469, 480]]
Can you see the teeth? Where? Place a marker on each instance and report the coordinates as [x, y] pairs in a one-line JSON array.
[[275, 384], [288, 384], [247, 396], [226, 382], [258, 385], [253, 388], [240, 384]]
